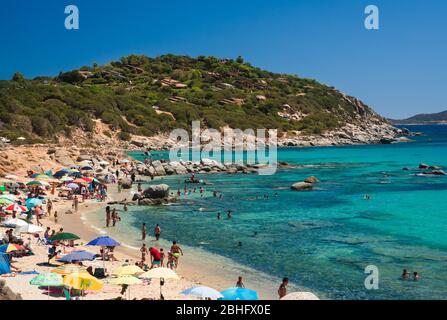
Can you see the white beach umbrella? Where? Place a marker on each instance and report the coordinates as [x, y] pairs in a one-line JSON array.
[[15, 223], [12, 177], [300, 296], [103, 163], [21, 138], [202, 292], [124, 161], [30, 228], [9, 197]]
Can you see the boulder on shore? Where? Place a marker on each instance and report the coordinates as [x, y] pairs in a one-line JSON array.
[[126, 183], [301, 186], [157, 191]]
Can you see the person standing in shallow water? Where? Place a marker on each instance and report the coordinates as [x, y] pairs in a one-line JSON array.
[[143, 231], [157, 232], [282, 291]]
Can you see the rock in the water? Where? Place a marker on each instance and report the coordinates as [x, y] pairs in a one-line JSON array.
[[311, 179], [438, 172], [157, 191], [424, 166], [158, 167], [299, 186]]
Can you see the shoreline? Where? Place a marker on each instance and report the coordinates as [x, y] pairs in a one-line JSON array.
[[218, 271]]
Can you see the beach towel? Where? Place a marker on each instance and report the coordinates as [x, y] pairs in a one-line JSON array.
[[24, 273]]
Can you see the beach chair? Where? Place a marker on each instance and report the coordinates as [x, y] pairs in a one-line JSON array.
[[41, 241]]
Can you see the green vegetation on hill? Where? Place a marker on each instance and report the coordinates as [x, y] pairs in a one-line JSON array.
[[131, 94]]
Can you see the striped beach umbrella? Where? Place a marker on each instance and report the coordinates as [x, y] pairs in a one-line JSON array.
[[10, 247], [5, 202], [47, 280], [17, 208]]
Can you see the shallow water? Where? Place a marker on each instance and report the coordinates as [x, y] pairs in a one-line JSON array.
[[325, 238]]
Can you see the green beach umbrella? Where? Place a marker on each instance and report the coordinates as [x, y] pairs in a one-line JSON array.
[[4, 201], [37, 183], [48, 280], [64, 236]]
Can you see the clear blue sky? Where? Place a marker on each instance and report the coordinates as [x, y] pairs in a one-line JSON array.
[[398, 70]]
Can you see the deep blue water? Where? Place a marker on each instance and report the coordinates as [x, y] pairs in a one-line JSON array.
[[325, 238]]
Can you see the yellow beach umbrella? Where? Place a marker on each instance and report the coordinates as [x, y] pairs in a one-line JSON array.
[[67, 269], [82, 281], [160, 273], [129, 280], [131, 270]]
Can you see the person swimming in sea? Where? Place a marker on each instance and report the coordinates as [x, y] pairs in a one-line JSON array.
[[416, 276], [405, 274], [230, 214], [218, 216]]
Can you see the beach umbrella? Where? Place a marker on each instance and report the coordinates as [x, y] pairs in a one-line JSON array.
[[87, 179], [61, 173], [41, 176], [239, 294], [16, 222], [80, 255], [127, 280], [160, 273], [103, 241], [202, 292], [66, 179], [64, 236], [86, 168], [47, 280], [32, 202], [17, 208], [5, 202], [10, 247], [37, 183], [72, 186], [66, 269], [103, 163], [82, 281], [300, 296], [131, 270], [21, 138], [124, 161], [30, 228], [10, 197]]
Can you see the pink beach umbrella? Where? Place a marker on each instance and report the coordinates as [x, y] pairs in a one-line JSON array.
[[17, 208]]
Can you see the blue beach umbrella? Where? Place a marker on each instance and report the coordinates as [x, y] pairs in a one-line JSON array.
[[239, 294], [103, 242], [80, 255], [32, 202], [72, 186], [61, 173]]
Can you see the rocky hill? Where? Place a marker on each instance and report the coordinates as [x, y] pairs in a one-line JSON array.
[[140, 96], [424, 118]]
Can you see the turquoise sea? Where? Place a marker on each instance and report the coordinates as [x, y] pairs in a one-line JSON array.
[[324, 239]]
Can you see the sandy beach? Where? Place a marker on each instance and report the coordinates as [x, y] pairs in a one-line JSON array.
[[196, 266]]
